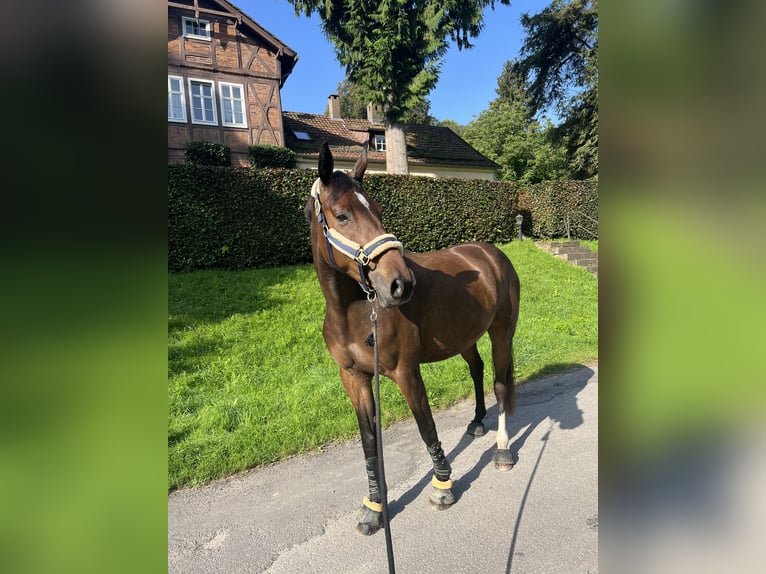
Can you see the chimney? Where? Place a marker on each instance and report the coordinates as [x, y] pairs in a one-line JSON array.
[[333, 104], [374, 114]]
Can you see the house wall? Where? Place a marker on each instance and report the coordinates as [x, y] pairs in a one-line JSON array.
[[415, 169], [235, 55]]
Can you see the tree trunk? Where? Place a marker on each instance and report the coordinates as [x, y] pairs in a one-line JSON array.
[[396, 149]]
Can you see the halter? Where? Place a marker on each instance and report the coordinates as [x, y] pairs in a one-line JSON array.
[[362, 254]]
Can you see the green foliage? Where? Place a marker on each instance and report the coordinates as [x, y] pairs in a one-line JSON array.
[[271, 156], [392, 49], [507, 135], [207, 153], [250, 379], [235, 218], [353, 105], [240, 218], [546, 205], [560, 55], [427, 213], [457, 128]]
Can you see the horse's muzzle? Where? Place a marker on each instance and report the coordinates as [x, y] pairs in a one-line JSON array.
[[394, 290]]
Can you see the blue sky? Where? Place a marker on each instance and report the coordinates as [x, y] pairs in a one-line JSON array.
[[468, 78]]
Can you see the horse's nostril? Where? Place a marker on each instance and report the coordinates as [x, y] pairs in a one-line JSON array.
[[397, 288]]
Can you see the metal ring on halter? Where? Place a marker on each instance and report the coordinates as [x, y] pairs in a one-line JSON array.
[[363, 258]]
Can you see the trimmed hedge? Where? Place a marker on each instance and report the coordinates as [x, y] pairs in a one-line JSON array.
[[236, 218], [427, 214], [207, 153], [271, 156], [545, 206]]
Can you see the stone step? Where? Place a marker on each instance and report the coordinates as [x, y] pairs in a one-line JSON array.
[[579, 254], [572, 252], [569, 249]]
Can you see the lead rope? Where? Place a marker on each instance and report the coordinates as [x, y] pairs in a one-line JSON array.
[[379, 437]]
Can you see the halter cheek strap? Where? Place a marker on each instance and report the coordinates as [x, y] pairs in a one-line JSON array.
[[362, 254]]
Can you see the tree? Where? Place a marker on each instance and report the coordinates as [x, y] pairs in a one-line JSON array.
[[560, 60], [453, 125], [392, 50], [507, 134], [353, 105]]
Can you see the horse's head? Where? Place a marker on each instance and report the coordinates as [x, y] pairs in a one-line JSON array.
[[349, 235]]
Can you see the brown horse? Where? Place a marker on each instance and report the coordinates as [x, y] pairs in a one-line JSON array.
[[430, 307]]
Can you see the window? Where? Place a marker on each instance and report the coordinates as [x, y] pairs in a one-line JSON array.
[[176, 102], [232, 105], [202, 102], [197, 29], [302, 135], [380, 143]]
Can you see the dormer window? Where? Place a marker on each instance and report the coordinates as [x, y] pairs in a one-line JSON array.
[[380, 142], [196, 29]]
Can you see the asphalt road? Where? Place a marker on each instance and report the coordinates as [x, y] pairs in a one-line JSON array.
[[299, 515]]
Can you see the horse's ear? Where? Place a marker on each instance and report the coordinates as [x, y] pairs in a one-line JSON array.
[[325, 163], [361, 164]]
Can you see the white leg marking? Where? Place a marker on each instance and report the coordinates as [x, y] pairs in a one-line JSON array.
[[502, 434], [362, 199]]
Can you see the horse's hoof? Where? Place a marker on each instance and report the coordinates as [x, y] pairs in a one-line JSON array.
[[369, 521], [476, 429], [441, 497], [503, 459]]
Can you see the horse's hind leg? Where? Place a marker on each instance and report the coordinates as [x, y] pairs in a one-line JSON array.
[[476, 367], [505, 391]]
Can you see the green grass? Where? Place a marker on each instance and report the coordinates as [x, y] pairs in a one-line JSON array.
[[251, 382]]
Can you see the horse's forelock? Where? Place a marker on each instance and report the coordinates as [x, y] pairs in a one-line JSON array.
[[342, 183]]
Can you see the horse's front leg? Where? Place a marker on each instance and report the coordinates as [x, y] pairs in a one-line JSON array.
[[358, 388], [414, 391]]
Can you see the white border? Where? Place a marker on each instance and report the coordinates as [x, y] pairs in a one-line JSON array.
[[183, 99], [208, 29], [243, 101], [215, 104]]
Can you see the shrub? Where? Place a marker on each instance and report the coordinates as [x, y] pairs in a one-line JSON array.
[[235, 218], [545, 206], [271, 156], [427, 214], [208, 153], [238, 218]]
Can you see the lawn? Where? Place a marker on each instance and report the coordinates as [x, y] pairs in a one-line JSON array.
[[251, 382]]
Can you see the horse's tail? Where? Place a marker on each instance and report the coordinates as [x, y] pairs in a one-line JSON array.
[[509, 291], [514, 292]]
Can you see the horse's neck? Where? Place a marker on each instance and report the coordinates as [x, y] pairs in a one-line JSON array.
[[339, 290]]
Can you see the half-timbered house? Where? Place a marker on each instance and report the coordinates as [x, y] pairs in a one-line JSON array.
[[225, 73]]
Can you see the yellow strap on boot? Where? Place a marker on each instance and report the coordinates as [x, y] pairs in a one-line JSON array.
[[375, 506], [445, 485]]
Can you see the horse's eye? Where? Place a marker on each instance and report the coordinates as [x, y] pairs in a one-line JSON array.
[[342, 217]]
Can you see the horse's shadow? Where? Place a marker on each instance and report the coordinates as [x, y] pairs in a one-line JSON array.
[[565, 413]]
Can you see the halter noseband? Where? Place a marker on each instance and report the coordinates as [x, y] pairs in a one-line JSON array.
[[362, 254]]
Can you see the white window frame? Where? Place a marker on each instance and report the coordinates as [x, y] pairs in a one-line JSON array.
[[182, 94], [207, 36], [214, 121], [380, 142], [242, 100], [305, 136]]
